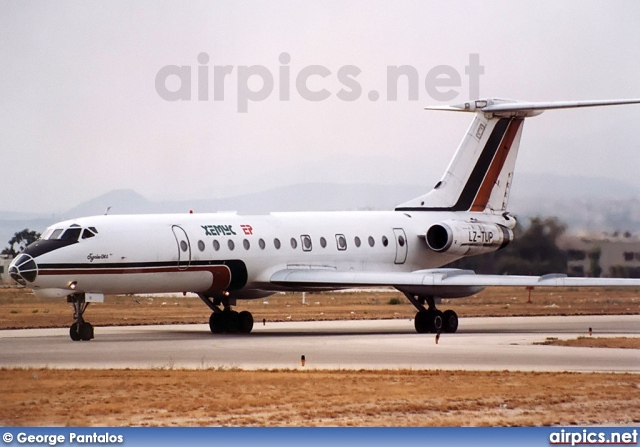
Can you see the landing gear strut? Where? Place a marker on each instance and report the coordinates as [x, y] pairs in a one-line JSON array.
[[225, 320], [431, 319], [80, 329]]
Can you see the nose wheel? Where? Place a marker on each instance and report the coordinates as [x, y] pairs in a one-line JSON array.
[[80, 329]]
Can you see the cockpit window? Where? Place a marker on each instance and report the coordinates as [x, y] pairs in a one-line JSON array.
[[86, 234], [46, 234], [56, 234], [72, 234]]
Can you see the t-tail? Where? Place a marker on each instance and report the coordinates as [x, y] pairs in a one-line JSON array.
[[479, 177]]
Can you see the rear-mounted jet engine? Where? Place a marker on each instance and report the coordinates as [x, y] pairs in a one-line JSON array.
[[467, 238]]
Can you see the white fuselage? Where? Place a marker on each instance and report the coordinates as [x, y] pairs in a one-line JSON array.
[[232, 254]]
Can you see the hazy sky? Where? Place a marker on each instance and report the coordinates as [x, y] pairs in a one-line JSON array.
[[80, 113]]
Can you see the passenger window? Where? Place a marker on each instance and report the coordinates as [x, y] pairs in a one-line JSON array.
[[261, 244], [276, 243], [341, 241], [372, 241], [385, 241], [306, 242], [200, 245], [216, 245], [231, 245], [246, 244], [323, 242], [357, 241], [184, 246], [294, 243]]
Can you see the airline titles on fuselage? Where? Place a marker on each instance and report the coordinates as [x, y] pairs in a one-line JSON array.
[[225, 230]]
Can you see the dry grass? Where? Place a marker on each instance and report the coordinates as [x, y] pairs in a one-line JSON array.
[[20, 309], [596, 342], [315, 398]]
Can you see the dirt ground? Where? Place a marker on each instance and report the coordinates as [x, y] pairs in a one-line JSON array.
[[215, 397], [21, 309], [315, 398], [596, 342]]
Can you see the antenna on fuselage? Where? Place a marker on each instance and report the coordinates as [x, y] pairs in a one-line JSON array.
[[107, 211]]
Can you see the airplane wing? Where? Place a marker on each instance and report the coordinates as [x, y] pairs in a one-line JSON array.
[[443, 283]]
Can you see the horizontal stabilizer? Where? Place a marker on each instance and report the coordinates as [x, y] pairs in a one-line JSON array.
[[510, 108]]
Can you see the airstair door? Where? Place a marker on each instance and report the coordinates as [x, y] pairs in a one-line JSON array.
[[401, 245], [184, 247]]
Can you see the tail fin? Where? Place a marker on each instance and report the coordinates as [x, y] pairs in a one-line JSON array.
[[479, 176]]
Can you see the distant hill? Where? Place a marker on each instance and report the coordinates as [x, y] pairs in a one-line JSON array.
[[305, 197], [558, 187], [121, 201], [596, 204], [583, 203]]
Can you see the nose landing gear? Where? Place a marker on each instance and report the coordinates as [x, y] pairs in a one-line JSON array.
[[80, 329]]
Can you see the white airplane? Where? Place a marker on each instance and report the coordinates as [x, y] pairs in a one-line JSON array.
[[227, 257]]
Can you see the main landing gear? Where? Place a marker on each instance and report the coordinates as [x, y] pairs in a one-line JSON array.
[[431, 319], [225, 320], [80, 329]]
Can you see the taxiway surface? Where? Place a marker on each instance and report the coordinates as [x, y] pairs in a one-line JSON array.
[[480, 344]]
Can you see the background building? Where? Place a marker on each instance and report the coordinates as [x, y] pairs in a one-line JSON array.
[[616, 255], [5, 260]]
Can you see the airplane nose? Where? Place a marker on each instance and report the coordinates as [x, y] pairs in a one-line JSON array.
[[23, 269]]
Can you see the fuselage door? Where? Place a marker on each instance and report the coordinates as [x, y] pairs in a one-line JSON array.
[[184, 247], [401, 245]]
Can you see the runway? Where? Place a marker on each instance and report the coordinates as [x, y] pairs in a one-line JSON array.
[[481, 344]]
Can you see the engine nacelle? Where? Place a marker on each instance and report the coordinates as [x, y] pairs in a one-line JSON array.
[[467, 238]]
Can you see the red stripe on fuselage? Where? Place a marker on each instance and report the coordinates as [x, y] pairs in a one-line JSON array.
[[220, 274]]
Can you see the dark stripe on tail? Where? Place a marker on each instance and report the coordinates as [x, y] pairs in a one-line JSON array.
[[482, 198], [471, 188]]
